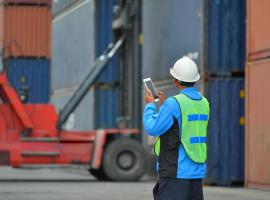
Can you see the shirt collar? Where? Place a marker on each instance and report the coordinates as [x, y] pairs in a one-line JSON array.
[[188, 89], [192, 93]]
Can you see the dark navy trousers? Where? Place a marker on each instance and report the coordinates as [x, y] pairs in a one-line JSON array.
[[178, 189]]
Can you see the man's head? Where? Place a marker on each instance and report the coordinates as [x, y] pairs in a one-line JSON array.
[[185, 73]]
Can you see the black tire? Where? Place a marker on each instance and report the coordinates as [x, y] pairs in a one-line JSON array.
[[98, 174], [124, 160]]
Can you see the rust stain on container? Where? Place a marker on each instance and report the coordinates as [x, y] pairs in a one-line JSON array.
[[258, 16], [26, 30], [257, 166]]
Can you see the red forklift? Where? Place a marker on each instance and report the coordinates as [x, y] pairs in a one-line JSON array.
[[33, 134]]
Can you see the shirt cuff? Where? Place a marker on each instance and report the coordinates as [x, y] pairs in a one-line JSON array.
[[151, 105]]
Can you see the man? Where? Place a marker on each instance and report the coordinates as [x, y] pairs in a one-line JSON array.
[[181, 126]]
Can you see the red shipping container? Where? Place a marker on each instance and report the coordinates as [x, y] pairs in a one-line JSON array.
[[258, 28], [26, 31], [257, 156]]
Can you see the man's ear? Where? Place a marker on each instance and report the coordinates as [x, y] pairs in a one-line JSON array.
[[176, 83]]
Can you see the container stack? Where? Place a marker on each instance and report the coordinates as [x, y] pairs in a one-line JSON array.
[[25, 35], [223, 85], [257, 159]]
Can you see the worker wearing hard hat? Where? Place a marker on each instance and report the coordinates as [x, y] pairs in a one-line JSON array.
[[181, 126]]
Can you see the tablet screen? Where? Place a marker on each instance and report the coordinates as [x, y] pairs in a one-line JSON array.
[[151, 87]]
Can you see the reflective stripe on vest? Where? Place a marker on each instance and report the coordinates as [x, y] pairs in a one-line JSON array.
[[195, 116]]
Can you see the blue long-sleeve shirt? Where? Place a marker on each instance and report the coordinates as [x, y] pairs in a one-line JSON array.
[[157, 123]]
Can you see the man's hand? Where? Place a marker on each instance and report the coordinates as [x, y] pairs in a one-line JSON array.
[[148, 97], [161, 97]]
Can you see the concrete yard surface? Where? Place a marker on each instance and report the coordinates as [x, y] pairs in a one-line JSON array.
[[76, 184]]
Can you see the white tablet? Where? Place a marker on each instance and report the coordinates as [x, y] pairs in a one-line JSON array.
[[150, 86]]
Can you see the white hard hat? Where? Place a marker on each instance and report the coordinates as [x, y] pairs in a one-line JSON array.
[[185, 70]]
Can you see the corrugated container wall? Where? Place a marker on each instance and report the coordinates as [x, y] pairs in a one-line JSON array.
[[170, 30], [225, 137], [26, 31], [36, 73], [73, 57], [104, 36], [224, 44], [258, 127], [258, 29]]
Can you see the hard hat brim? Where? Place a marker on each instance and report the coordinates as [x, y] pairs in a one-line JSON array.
[[181, 79]]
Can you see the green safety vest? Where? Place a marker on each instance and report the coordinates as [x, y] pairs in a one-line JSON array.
[[195, 116]]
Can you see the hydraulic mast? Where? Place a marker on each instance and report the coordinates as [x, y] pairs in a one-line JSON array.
[[79, 94]]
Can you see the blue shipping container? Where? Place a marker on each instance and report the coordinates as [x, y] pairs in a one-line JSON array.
[[36, 73], [104, 36], [225, 137], [225, 36], [106, 107]]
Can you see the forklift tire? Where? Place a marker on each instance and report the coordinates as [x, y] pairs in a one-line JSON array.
[[98, 174], [124, 160]]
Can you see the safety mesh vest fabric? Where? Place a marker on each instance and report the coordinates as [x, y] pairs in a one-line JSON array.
[[195, 116]]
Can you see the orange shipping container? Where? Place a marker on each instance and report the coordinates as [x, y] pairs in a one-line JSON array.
[[26, 31], [258, 16], [257, 159]]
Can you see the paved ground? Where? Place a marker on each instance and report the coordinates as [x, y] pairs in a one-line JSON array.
[[76, 184]]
